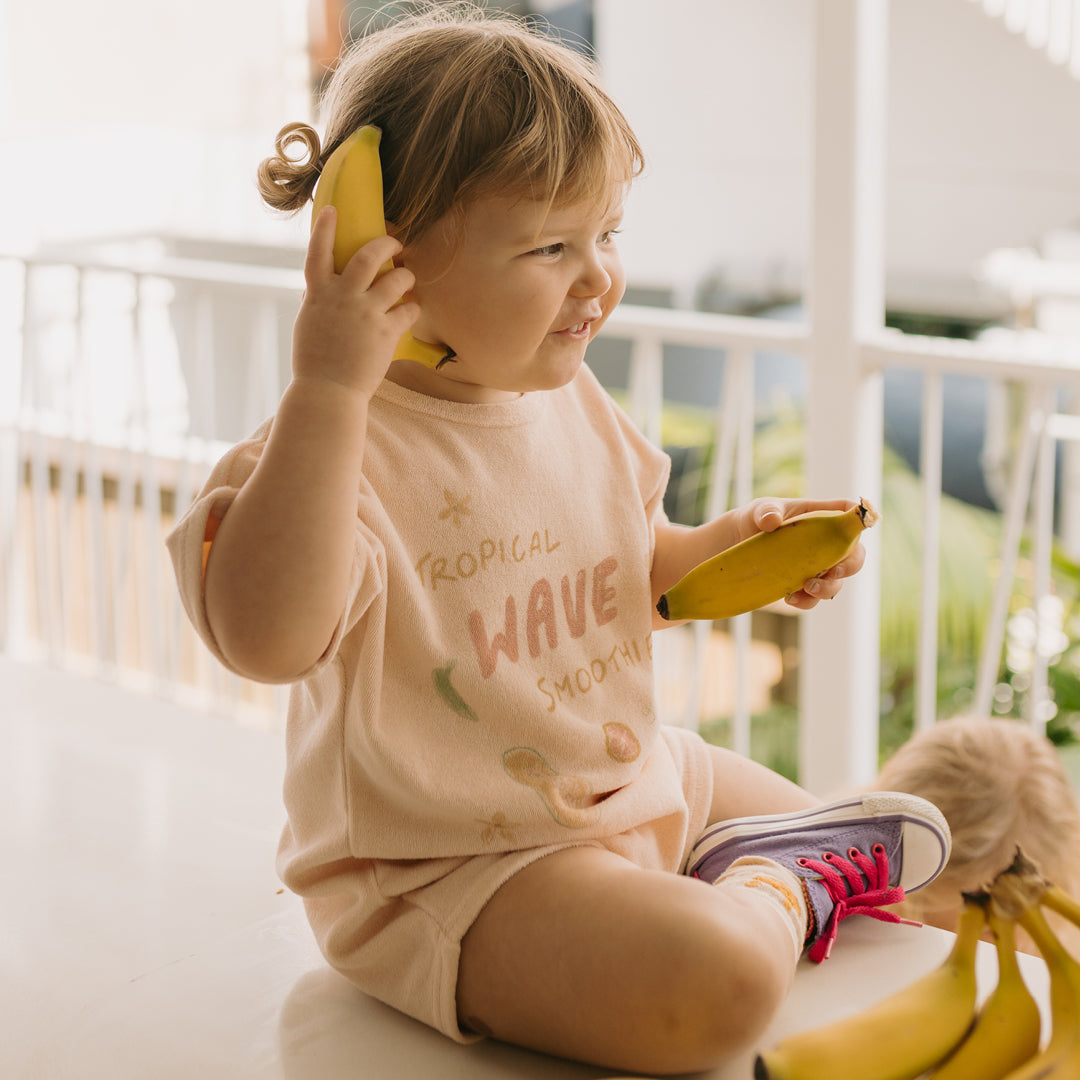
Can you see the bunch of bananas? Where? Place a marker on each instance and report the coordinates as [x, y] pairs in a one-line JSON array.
[[768, 566], [933, 1028]]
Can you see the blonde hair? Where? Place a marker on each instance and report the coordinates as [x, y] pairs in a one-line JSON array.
[[469, 104], [999, 784]]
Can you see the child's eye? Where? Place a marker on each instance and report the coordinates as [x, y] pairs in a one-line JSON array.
[[548, 249], [609, 236]]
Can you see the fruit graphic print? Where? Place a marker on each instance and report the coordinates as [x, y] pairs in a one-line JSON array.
[[440, 676], [531, 610]]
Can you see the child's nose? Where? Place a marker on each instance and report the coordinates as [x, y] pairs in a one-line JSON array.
[[594, 279]]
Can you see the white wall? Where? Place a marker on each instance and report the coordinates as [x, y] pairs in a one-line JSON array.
[[981, 144], [126, 115], [718, 93], [122, 115]]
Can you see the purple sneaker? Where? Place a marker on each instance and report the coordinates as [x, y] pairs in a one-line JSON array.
[[853, 856]]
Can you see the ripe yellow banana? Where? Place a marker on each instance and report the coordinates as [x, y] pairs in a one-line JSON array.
[[768, 566], [1057, 899], [351, 181], [1019, 892], [1007, 1028], [898, 1038]]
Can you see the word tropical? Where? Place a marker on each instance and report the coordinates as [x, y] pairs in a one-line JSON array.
[[435, 570]]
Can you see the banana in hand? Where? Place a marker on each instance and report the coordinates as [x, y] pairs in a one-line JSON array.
[[898, 1038], [351, 181], [767, 566]]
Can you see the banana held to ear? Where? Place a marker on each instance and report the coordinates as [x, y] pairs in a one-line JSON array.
[[898, 1038], [1007, 1027], [768, 566], [351, 181]]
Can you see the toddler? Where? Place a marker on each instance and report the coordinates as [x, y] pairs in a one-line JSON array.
[[457, 571], [1000, 785]]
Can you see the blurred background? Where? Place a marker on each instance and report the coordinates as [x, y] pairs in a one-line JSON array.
[[146, 297]]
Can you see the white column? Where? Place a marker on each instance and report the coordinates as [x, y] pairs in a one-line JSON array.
[[840, 639]]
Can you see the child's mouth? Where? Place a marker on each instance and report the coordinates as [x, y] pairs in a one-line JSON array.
[[578, 330]]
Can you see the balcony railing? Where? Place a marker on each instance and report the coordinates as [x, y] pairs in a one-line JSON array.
[[130, 378]]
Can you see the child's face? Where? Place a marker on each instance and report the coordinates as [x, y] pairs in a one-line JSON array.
[[519, 301]]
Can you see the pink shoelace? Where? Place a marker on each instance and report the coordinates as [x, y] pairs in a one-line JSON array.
[[856, 885]]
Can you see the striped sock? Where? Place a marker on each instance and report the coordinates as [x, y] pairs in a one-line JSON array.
[[775, 885]]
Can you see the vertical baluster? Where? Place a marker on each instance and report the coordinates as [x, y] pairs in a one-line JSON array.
[[1074, 35], [149, 589], [122, 571], [1037, 28], [727, 434], [930, 469], [202, 406], [40, 497], [1059, 31], [744, 490], [12, 568], [647, 386], [94, 563], [726, 426], [1035, 409], [70, 432], [1016, 15], [728, 441], [266, 391], [1038, 698]]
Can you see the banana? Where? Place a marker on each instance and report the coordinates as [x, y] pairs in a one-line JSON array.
[[1057, 899], [1007, 1028], [768, 566], [1018, 892], [898, 1038], [351, 181]]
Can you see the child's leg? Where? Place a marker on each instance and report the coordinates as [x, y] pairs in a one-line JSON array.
[[585, 955], [742, 787]]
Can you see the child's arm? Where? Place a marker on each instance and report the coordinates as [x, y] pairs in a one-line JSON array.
[[678, 548], [280, 561]]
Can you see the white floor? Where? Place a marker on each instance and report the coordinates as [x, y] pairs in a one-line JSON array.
[[144, 935]]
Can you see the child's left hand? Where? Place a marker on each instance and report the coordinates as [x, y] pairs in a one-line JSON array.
[[767, 514]]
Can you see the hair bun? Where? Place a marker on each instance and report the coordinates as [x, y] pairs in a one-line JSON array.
[[287, 179]]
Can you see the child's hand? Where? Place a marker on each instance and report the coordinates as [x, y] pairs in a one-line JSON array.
[[349, 323], [767, 514]]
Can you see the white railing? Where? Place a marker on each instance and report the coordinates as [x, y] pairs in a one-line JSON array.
[[88, 489], [105, 438], [1049, 26]]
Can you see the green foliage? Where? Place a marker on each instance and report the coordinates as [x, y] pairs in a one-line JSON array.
[[970, 539], [774, 737], [1063, 674]]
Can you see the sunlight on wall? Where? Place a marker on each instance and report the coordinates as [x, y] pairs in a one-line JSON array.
[[140, 117]]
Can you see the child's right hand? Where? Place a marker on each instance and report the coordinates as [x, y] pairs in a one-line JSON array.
[[349, 323]]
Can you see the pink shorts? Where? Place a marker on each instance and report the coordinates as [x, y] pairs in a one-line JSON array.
[[420, 911]]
